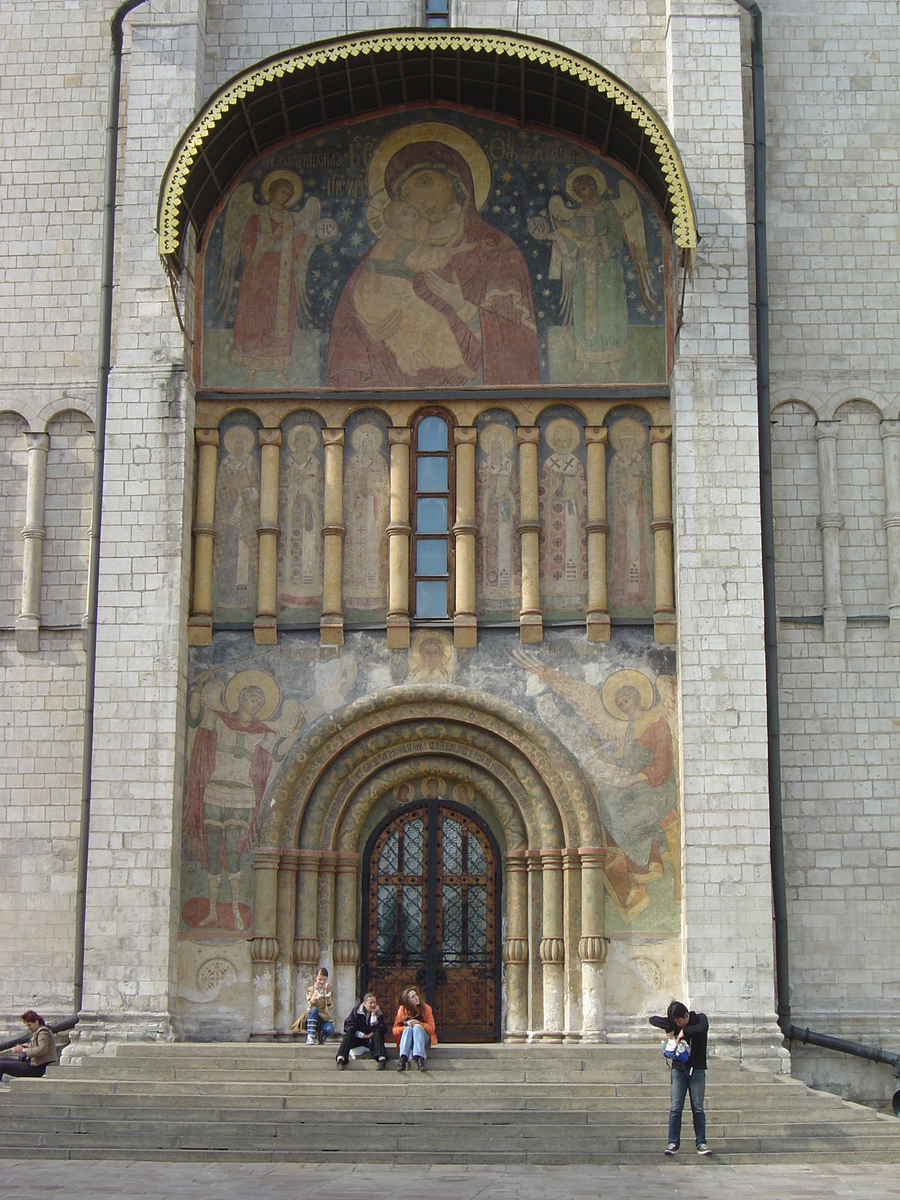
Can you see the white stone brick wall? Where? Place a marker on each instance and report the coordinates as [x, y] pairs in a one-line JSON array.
[[861, 486], [67, 519], [13, 480], [795, 486]]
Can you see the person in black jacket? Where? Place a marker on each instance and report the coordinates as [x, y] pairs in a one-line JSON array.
[[687, 1078], [364, 1029]]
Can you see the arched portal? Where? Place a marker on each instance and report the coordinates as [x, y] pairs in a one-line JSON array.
[[507, 776]]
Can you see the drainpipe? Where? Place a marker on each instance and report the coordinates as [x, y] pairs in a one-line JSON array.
[[776, 821], [103, 368]]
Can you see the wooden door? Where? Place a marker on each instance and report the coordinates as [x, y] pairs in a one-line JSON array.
[[431, 917]]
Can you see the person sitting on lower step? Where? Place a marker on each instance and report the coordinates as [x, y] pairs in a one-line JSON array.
[[30, 1059], [364, 1029]]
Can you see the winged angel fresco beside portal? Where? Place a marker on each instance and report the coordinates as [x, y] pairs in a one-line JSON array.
[[630, 755], [266, 250], [590, 244]]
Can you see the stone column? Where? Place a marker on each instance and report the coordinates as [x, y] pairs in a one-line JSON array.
[[398, 535], [535, 935], [306, 941], [597, 528], [553, 946], [345, 948], [465, 623], [200, 620], [331, 626], [284, 932], [515, 949], [571, 863], [28, 622], [830, 523], [890, 445], [265, 627], [592, 947], [664, 582], [531, 622], [264, 944]]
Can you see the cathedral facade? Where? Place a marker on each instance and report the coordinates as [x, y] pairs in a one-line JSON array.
[[499, 555]]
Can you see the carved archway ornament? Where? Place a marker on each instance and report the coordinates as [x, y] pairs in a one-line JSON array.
[[527, 80], [348, 771]]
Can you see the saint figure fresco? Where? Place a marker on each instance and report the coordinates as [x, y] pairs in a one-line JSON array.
[[625, 736], [300, 502], [562, 497], [367, 500], [630, 506], [431, 657], [266, 250], [235, 748], [591, 243], [442, 298], [497, 565], [236, 520]]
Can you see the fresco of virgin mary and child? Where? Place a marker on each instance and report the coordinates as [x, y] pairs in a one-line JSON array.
[[443, 298]]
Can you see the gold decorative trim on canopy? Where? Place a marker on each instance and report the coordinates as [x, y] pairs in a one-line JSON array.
[[648, 137]]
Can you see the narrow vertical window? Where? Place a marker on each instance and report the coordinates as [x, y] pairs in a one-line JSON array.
[[431, 519], [437, 14]]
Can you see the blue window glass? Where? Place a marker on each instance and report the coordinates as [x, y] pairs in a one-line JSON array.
[[432, 434], [431, 598], [437, 14], [432, 474], [431, 557], [431, 515]]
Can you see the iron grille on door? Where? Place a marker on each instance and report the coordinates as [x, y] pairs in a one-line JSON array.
[[431, 917]]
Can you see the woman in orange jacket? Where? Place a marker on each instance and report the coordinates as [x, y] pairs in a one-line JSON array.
[[413, 1023]]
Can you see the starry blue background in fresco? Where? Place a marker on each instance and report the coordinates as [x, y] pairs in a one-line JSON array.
[[333, 166]]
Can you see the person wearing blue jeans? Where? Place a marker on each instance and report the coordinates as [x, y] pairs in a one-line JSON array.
[[413, 1029], [318, 1020], [688, 1079]]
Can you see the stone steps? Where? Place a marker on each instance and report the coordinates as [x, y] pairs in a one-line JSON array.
[[498, 1104]]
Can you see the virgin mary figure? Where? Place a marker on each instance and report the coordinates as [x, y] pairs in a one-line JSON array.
[[467, 272]]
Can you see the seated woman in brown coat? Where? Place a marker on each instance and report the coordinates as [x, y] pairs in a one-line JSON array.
[[30, 1059]]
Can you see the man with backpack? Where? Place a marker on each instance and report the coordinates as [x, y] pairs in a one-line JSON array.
[[688, 1077]]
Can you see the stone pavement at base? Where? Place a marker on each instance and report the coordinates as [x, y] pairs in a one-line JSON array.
[[686, 1178]]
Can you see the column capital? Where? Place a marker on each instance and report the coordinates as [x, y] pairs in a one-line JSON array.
[[596, 435], [37, 441], [660, 434], [516, 861], [592, 857], [347, 862], [290, 860], [571, 858], [206, 437], [270, 437], [465, 435], [528, 435], [399, 437], [552, 860], [827, 429], [890, 429], [266, 858], [333, 437]]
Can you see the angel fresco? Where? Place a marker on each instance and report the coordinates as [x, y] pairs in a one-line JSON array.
[[630, 754], [590, 244], [266, 250]]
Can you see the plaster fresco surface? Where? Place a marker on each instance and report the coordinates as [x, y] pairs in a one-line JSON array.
[[432, 248], [613, 706]]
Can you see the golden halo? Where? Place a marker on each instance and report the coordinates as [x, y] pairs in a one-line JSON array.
[[620, 679], [261, 679], [506, 435], [562, 425], [626, 425], [232, 435], [311, 438], [357, 435], [433, 131], [598, 177], [290, 177], [436, 779]]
